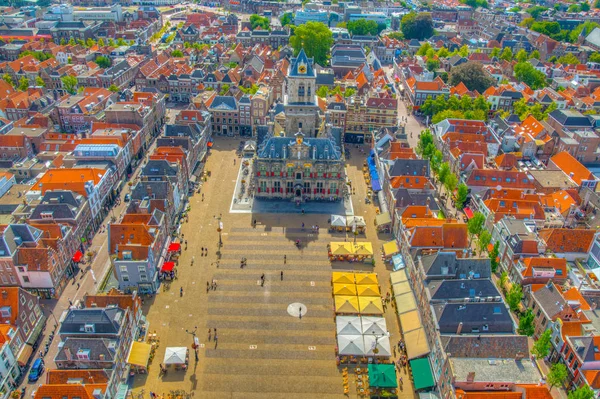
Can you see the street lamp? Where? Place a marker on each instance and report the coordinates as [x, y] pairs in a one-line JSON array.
[[219, 230], [51, 314], [377, 337], [195, 344]]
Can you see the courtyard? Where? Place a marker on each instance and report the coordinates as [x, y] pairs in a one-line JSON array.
[[262, 350]]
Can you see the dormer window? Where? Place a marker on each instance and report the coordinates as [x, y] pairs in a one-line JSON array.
[[47, 215], [127, 255], [89, 328]]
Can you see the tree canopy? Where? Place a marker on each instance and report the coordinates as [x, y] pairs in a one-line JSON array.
[[258, 21], [541, 347], [557, 374], [177, 53], [472, 75], [475, 3], [533, 78], [454, 107], [417, 26], [69, 83], [103, 61], [583, 392], [315, 38], [526, 324], [286, 19], [364, 27]]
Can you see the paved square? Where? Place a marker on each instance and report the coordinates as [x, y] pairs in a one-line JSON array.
[[262, 350]]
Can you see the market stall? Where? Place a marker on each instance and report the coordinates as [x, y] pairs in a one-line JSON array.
[[368, 290], [377, 345], [345, 251], [351, 345], [383, 222], [348, 325], [422, 374], [366, 279], [340, 251], [167, 271], [382, 376], [177, 356], [370, 305], [356, 223], [139, 357], [338, 223], [346, 304], [344, 289], [373, 325], [390, 248], [398, 262], [342, 278]]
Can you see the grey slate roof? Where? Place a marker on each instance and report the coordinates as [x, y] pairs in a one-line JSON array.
[[223, 103], [461, 289], [404, 198], [95, 346], [446, 265], [160, 190], [485, 346], [106, 321], [474, 316], [571, 118], [410, 167], [159, 167], [320, 148], [549, 299]]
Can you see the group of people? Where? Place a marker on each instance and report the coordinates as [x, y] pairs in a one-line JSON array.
[[243, 262], [211, 286], [216, 338]]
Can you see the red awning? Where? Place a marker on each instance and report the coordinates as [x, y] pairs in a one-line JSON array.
[[77, 257], [210, 144], [468, 212], [168, 267], [174, 247]]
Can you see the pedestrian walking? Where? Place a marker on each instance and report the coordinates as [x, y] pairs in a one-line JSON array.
[[216, 343], [284, 259], [281, 275], [300, 313], [203, 197], [302, 226], [215, 332], [262, 283], [262, 277], [209, 330], [181, 291]]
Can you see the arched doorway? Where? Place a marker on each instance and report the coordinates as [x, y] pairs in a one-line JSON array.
[[298, 192]]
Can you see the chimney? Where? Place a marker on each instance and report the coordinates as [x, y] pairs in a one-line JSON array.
[[101, 356], [68, 354], [149, 191], [459, 328], [519, 356], [470, 377], [4, 294]]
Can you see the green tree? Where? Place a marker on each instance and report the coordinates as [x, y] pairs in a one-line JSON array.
[[526, 73], [315, 38], [502, 281], [495, 52], [583, 392], [8, 79], [535, 11], [444, 172], [585, 6], [322, 91], [526, 324], [557, 375], [72, 42], [224, 90], [514, 297], [594, 57], [63, 41], [286, 19], [396, 35], [177, 53], [521, 56], [433, 64], [363, 27], [463, 51], [69, 83], [472, 75], [114, 88], [541, 347], [417, 26], [484, 240], [250, 90], [111, 42], [534, 55], [443, 53], [23, 84], [425, 141], [447, 114], [121, 41], [475, 3], [101, 42], [103, 61], [507, 54], [349, 92], [588, 26], [494, 256], [425, 47], [258, 21], [90, 42], [568, 59], [597, 4], [39, 82], [461, 195], [574, 8], [475, 224]]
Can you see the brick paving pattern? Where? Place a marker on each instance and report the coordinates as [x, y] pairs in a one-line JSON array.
[[262, 351]]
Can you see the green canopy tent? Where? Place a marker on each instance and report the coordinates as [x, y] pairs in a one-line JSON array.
[[422, 375], [382, 376]]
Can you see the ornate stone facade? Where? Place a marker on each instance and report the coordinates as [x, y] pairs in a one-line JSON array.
[[299, 169]]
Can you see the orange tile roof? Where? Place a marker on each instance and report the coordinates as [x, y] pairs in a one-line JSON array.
[[567, 240], [411, 182], [536, 392], [460, 394], [554, 263], [561, 200], [12, 301], [502, 178], [449, 235], [570, 165], [54, 377], [593, 378], [506, 161], [68, 179], [68, 391], [573, 294]]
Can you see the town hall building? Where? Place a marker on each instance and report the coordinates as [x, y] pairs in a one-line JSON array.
[[299, 168]]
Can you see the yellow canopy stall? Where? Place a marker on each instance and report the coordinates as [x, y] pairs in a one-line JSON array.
[[390, 248], [410, 321], [346, 304], [342, 278], [416, 343], [405, 303], [341, 248], [368, 290], [366, 278], [362, 248], [139, 354], [370, 305], [398, 277], [344, 289]]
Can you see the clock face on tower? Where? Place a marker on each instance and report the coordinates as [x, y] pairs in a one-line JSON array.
[[302, 68]]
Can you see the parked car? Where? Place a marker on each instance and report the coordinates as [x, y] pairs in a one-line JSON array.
[[36, 370]]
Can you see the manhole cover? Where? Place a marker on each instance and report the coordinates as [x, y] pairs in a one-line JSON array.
[[296, 309]]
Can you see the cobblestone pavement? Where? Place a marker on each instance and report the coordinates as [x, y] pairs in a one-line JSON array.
[[262, 351]]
